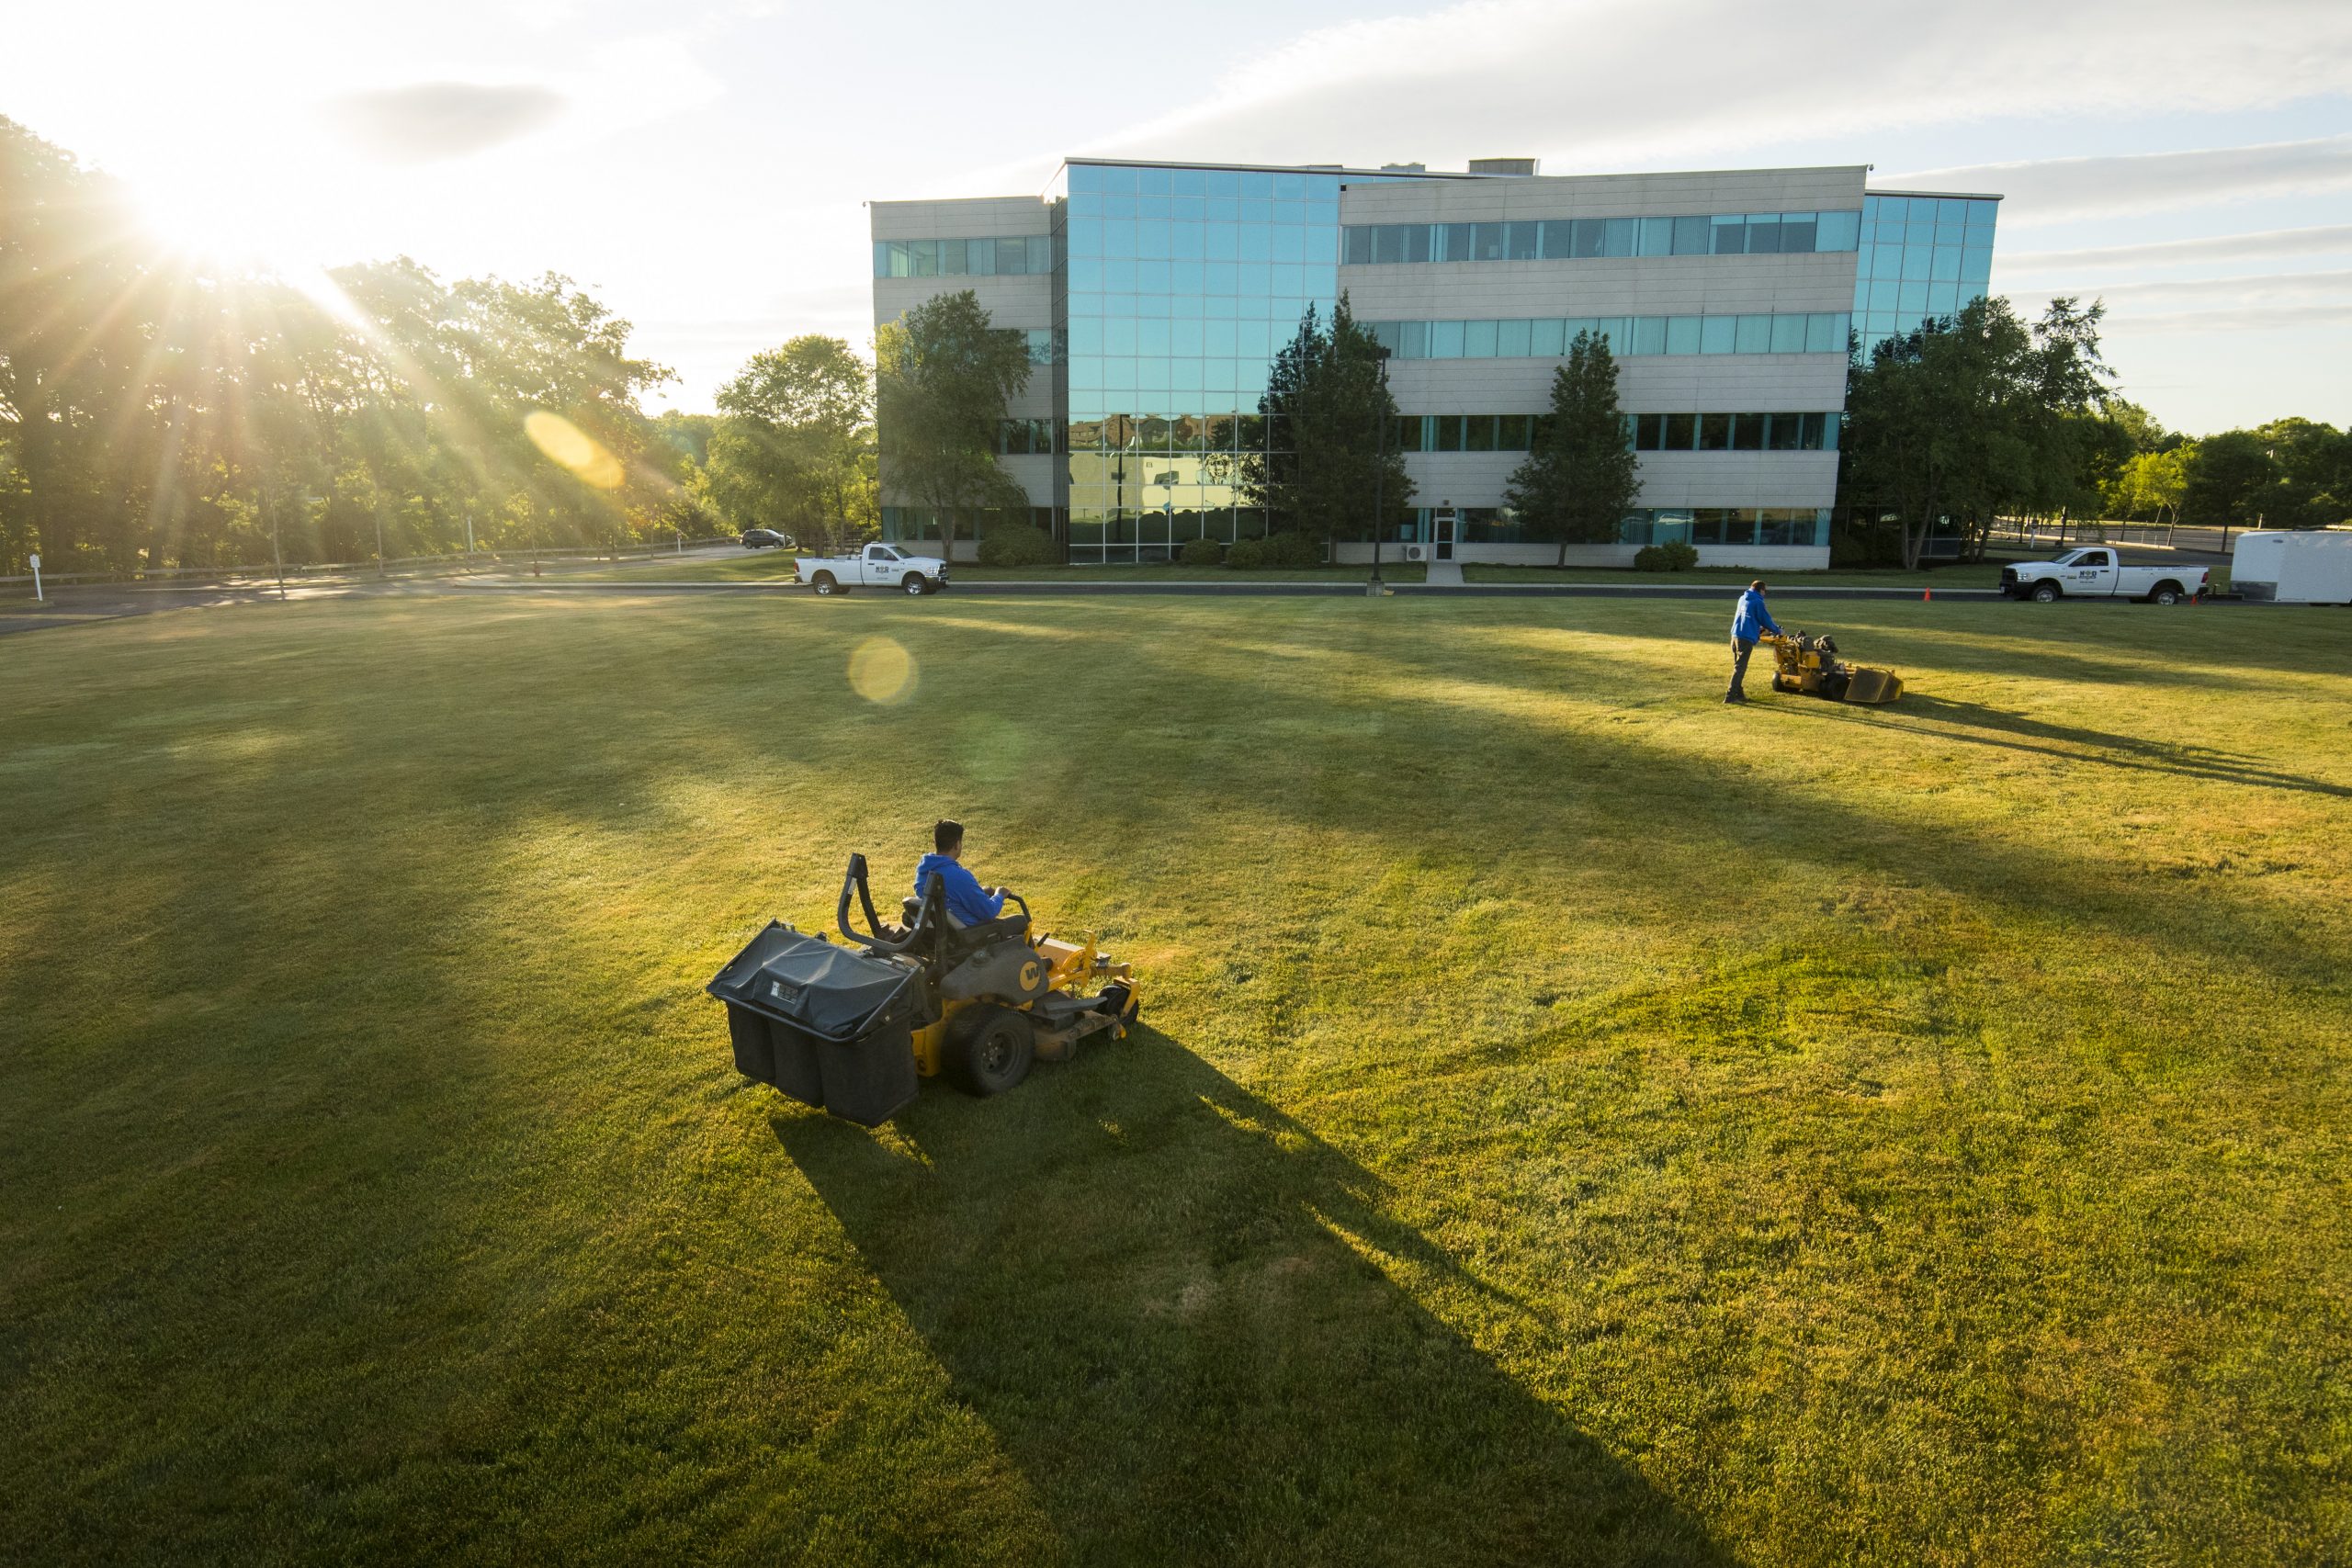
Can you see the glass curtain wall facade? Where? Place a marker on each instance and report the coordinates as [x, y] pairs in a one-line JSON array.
[[1920, 258], [1179, 285]]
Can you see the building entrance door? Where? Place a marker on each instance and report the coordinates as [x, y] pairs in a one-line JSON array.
[[1441, 531]]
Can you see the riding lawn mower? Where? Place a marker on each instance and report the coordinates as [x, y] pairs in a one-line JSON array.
[[853, 1028]]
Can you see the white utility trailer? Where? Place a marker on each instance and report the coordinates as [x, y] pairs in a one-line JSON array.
[[2303, 566]]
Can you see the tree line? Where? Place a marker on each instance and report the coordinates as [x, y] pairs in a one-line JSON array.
[[155, 410], [1980, 416]]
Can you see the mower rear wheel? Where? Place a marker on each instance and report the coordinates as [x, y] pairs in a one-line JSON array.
[[990, 1049]]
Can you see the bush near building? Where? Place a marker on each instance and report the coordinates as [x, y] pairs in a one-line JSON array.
[[1017, 544], [1675, 555]]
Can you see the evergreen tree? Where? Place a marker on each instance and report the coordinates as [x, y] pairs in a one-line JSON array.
[[1580, 476], [1332, 435]]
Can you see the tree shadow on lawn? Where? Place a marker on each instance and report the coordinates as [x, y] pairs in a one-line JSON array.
[[1950, 720], [1193, 1328]]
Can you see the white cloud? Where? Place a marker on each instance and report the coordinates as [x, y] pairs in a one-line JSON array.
[[426, 121], [2260, 301], [2251, 318], [1594, 85], [2261, 286], [2053, 189], [2266, 246]]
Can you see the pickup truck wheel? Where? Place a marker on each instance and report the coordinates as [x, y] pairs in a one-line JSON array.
[[990, 1049], [2045, 592], [2167, 594], [915, 585], [825, 583]]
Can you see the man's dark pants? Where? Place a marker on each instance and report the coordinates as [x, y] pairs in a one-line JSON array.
[[1740, 649]]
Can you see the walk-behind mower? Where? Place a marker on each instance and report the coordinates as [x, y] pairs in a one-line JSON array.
[[855, 1029], [1810, 664]]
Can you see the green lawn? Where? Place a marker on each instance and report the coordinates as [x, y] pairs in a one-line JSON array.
[[775, 565], [1579, 1122]]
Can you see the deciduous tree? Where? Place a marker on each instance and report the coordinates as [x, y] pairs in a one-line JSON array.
[[794, 446], [944, 375]]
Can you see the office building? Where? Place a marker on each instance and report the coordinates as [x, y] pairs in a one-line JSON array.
[[1154, 296]]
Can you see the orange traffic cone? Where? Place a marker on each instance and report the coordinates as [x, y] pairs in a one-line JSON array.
[[1925, 595]]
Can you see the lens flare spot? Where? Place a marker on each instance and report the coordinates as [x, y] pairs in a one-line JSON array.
[[881, 670], [565, 443]]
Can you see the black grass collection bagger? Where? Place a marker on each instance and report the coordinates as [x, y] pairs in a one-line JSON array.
[[854, 1029], [1811, 665]]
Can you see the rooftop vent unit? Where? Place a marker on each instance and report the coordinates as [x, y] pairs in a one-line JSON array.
[[1503, 166], [1403, 168]]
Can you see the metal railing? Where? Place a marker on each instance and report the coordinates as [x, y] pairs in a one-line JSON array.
[[455, 562]]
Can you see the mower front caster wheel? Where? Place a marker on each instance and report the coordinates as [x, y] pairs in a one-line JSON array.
[[990, 1049], [1125, 1008]]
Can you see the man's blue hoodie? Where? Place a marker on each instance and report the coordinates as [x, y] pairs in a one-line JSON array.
[[965, 900], [1752, 620]]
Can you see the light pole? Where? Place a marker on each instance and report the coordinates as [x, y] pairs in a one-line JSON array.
[[1379, 462]]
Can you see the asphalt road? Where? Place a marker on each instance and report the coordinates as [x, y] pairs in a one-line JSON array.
[[83, 606], [1355, 590]]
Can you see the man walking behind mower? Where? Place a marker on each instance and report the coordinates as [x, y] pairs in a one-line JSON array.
[[1749, 624], [967, 901]]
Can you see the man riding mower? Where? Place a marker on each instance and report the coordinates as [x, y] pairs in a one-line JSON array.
[[855, 1029]]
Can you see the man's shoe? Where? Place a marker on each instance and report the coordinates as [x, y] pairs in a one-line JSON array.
[[1734, 697]]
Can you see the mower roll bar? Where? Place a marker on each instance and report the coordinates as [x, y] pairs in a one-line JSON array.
[[930, 925]]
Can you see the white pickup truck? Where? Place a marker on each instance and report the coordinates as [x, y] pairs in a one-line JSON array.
[[2093, 572], [875, 565]]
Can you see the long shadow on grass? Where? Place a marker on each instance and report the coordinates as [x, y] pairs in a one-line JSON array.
[[1193, 1328], [1981, 726]]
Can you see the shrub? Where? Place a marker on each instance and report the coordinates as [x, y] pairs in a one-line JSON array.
[[1246, 555], [1017, 544], [1200, 552], [1294, 549], [1675, 555]]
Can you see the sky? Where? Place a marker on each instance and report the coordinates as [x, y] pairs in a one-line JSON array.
[[703, 167]]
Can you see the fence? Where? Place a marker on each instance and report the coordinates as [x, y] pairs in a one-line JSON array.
[[2058, 532], [407, 566]]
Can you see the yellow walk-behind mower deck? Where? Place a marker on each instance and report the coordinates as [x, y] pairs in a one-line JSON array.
[[855, 1027], [1811, 665]]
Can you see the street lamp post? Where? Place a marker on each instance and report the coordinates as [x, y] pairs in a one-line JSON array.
[[1379, 463]]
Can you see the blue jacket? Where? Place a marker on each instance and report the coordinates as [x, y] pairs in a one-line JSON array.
[[1752, 620], [965, 900]]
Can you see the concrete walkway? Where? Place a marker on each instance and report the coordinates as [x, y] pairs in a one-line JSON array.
[[1445, 574]]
